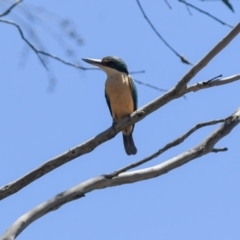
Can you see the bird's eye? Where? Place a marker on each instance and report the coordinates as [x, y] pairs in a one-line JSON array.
[[106, 60]]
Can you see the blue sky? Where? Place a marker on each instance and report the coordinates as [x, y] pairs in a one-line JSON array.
[[199, 200]]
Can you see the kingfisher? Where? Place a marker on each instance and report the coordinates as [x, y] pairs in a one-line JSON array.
[[120, 93]]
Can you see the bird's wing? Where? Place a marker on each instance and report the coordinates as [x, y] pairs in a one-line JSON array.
[[134, 92], [108, 102]]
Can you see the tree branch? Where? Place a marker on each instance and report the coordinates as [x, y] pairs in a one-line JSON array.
[[216, 150], [182, 58], [166, 147], [206, 13], [25, 39], [149, 85], [178, 91], [169, 6], [208, 57], [136, 72], [10, 8], [40, 52], [208, 84], [101, 182]]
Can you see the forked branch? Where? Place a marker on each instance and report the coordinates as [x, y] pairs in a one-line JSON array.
[[205, 147]]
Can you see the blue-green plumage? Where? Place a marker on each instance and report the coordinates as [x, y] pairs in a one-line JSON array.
[[134, 93], [120, 93], [108, 101]]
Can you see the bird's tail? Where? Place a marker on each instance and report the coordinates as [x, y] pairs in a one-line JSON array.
[[129, 144]]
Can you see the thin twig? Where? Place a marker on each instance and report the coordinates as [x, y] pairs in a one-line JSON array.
[[216, 150], [206, 13], [10, 8], [65, 62], [25, 39], [213, 83], [213, 79], [40, 52], [182, 58], [168, 4], [207, 58], [165, 148], [189, 11], [137, 72], [149, 85]]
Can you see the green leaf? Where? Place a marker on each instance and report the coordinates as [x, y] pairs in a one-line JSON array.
[[229, 5]]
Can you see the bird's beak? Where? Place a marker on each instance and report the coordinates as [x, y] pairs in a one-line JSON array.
[[96, 62]]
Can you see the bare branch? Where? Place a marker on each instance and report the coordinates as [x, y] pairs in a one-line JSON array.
[[206, 13], [182, 58], [228, 4], [137, 72], [40, 52], [214, 78], [208, 57], [178, 91], [149, 85], [25, 39], [205, 147], [64, 61], [216, 150], [189, 11], [214, 83], [165, 148], [168, 4], [10, 8]]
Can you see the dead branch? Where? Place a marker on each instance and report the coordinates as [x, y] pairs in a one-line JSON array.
[[205, 147], [214, 83], [166, 147]]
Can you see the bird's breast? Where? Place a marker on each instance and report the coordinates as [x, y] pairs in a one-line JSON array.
[[119, 92]]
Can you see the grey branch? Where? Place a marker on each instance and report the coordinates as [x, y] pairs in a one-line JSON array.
[[178, 91], [207, 58], [214, 83], [206, 13], [182, 58], [166, 147], [76, 192]]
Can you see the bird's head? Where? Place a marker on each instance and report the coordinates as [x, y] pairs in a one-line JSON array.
[[110, 64]]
